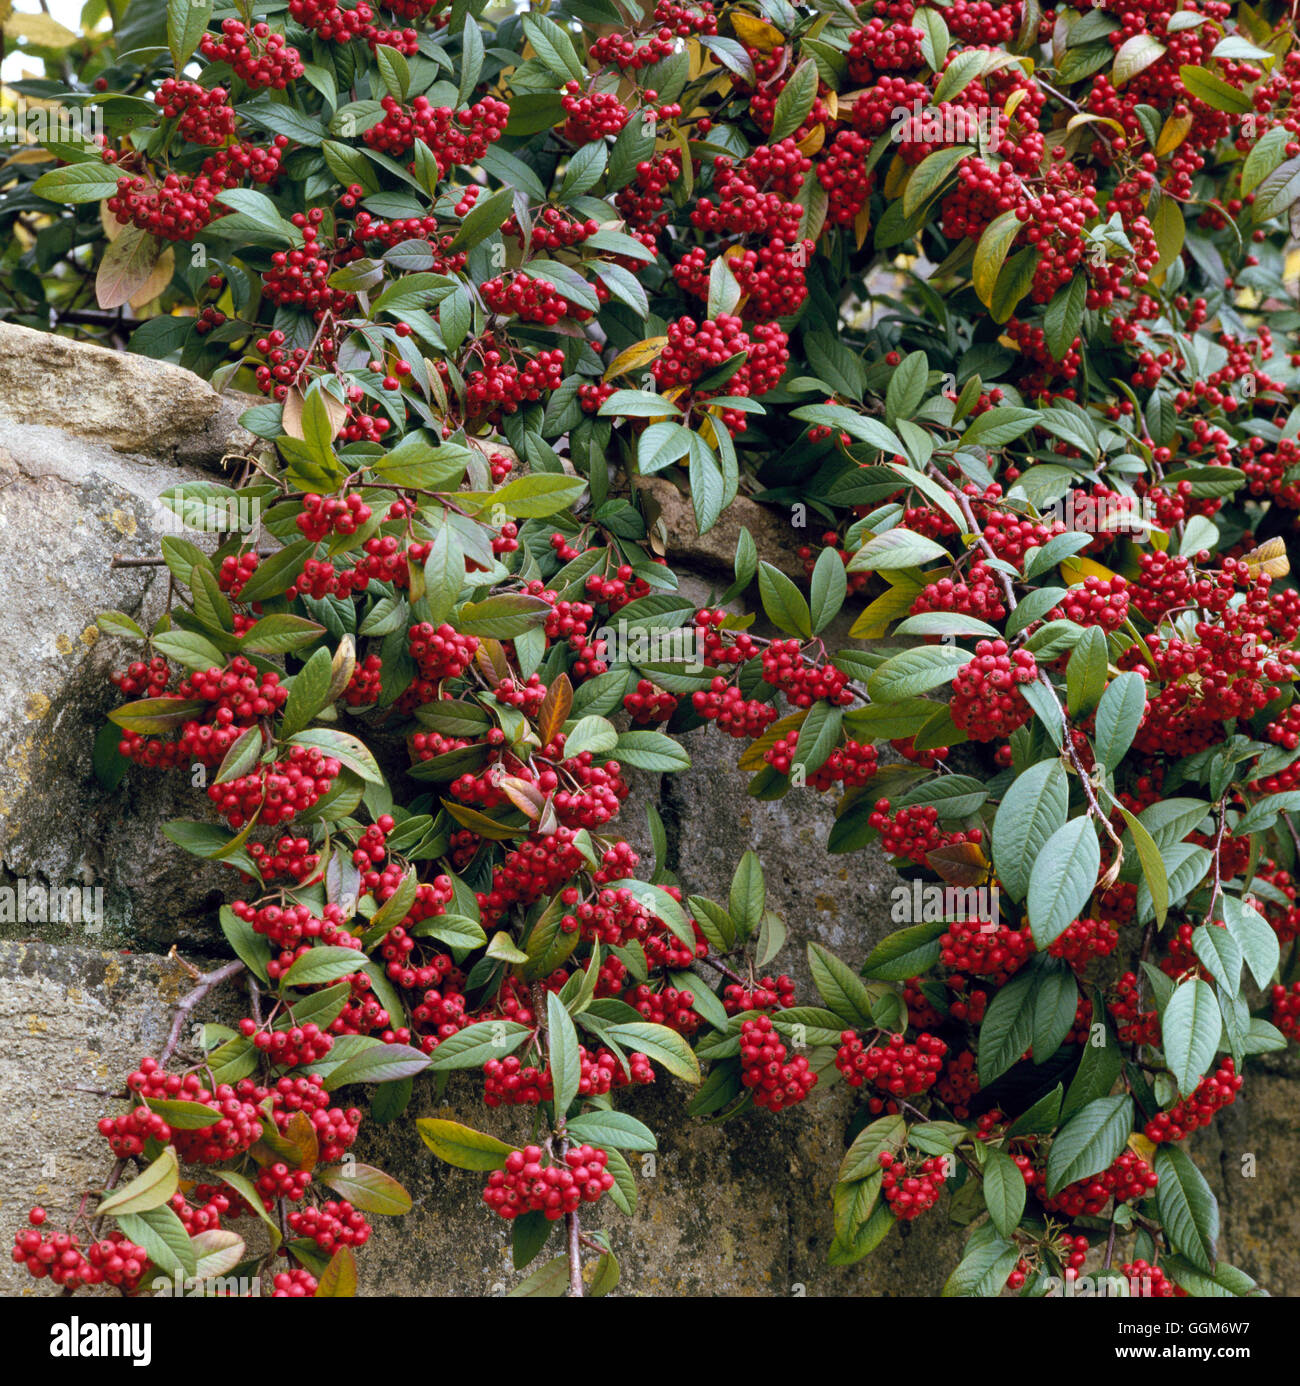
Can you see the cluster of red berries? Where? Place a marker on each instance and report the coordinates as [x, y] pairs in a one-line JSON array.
[[206, 116], [724, 704], [896, 1067], [532, 300], [913, 831], [333, 1224], [259, 57], [238, 696], [1128, 1179], [531, 1182], [978, 595], [1150, 1282], [237, 1126], [279, 792], [454, 137], [322, 516], [113, 1260], [909, 1193], [440, 652], [180, 206], [774, 1083], [648, 703], [1099, 602], [502, 386], [696, 350], [299, 1045], [1214, 1091], [986, 700], [767, 994], [802, 681], [984, 948], [592, 115]]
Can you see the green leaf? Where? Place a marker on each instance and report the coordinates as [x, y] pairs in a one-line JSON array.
[[1256, 938], [795, 101], [915, 671], [462, 1146], [186, 21], [1008, 1027], [151, 1188], [907, 953], [1004, 1191], [163, 1236], [783, 602], [840, 987], [862, 1158], [562, 1048], [1119, 714], [983, 1270], [1062, 879], [1090, 1141], [748, 895], [1219, 950], [617, 1129], [77, 183], [324, 963], [1064, 317], [894, 549], [1188, 1210], [1032, 810], [367, 1188], [829, 588], [473, 1046], [1190, 1029], [1214, 91], [666, 1047]]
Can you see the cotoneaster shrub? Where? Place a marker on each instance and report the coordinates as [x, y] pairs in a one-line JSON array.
[[994, 302]]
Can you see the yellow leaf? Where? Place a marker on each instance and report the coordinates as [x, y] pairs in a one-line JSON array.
[[161, 276], [38, 29], [889, 606], [991, 254], [756, 33], [862, 224], [896, 177], [339, 1279], [813, 140], [1173, 134], [1014, 100], [1141, 1146], [112, 227], [639, 354], [127, 267], [1171, 231], [1270, 557], [1074, 570], [1083, 118]]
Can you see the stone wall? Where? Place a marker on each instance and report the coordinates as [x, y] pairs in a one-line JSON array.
[[88, 439]]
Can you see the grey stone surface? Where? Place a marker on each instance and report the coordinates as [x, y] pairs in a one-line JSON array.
[[120, 401], [67, 508], [74, 1018]]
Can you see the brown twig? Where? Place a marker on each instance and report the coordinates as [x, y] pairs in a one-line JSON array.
[[187, 1003]]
